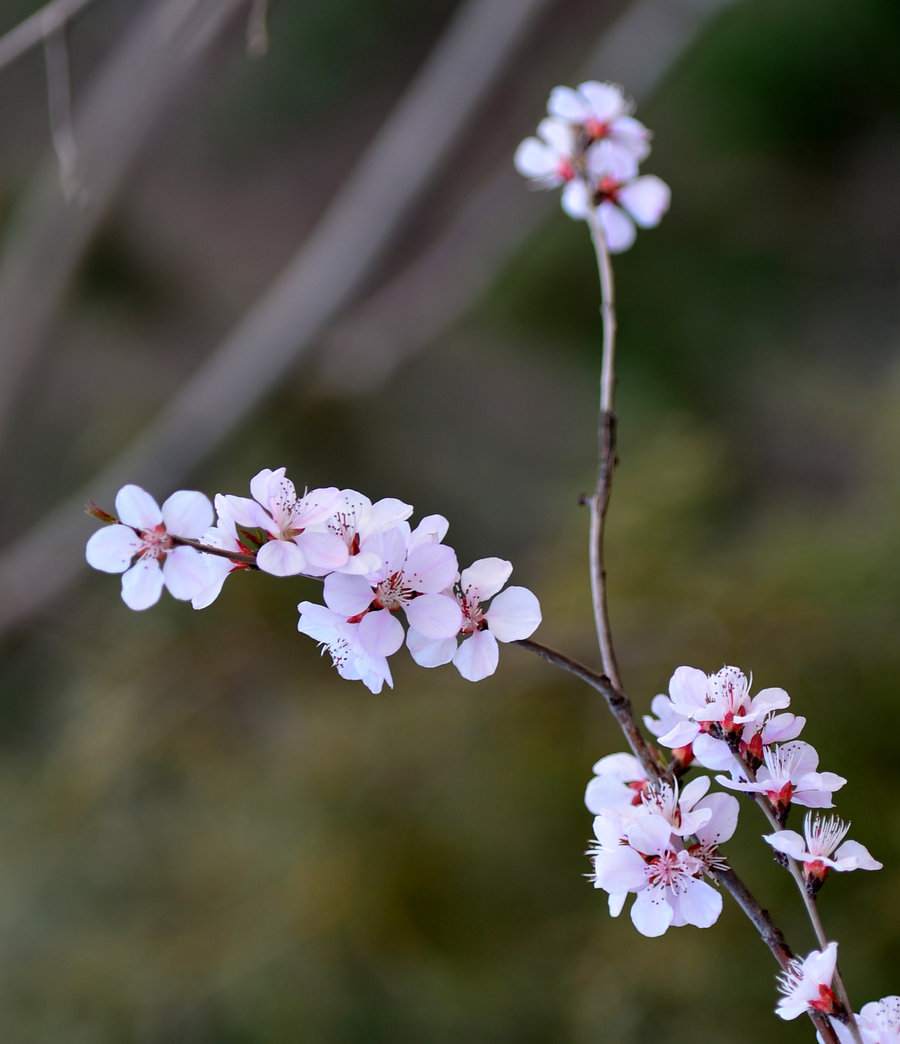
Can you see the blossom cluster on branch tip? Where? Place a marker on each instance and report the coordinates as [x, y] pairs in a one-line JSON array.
[[659, 839], [376, 569], [591, 146]]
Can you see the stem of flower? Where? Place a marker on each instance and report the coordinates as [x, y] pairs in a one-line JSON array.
[[599, 500], [221, 552]]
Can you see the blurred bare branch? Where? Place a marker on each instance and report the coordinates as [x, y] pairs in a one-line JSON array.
[[59, 103], [49, 19], [47, 237], [258, 28]]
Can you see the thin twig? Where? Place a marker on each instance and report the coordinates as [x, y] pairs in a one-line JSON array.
[[618, 703], [599, 501]]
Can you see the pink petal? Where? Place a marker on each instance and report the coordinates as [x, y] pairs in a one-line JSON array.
[[617, 226], [186, 573], [484, 578], [477, 656], [567, 104], [605, 99], [135, 507], [380, 633], [111, 549], [281, 558], [646, 200], [434, 615], [431, 568], [514, 614], [347, 594], [187, 513], [142, 584], [324, 551], [430, 652], [534, 159]]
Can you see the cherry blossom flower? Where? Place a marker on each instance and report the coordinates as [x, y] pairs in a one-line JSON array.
[[822, 841], [142, 547], [512, 615], [340, 638], [602, 114], [806, 985], [293, 546], [647, 848], [665, 876], [622, 199], [549, 158], [355, 521], [789, 775], [413, 572]]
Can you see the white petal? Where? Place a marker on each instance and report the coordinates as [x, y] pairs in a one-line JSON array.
[[514, 614], [142, 584], [534, 159], [135, 507], [187, 513], [699, 904], [646, 200], [347, 595], [186, 573], [787, 841], [430, 652], [567, 104], [324, 551], [558, 135], [477, 656], [484, 578], [112, 548], [259, 484], [434, 615], [607, 100], [431, 568], [650, 913], [574, 199], [857, 856], [618, 228], [281, 558], [380, 633]]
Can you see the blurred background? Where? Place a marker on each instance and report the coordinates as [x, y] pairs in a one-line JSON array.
[[320, 258]]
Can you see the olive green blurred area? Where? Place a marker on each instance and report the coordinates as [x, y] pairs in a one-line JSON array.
[[207, 835]]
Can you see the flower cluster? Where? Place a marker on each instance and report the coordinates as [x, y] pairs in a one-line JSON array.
[[714, 720], [591, 146], [374, 566], [658, 843]]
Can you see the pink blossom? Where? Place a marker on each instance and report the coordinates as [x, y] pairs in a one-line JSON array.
[[340, 638], [512, 615], [142, 548], [293, 546], [601, 113], [820, 849], [806, 984], [789, 776]]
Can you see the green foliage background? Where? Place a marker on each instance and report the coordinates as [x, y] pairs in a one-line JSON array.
[[207, 836]]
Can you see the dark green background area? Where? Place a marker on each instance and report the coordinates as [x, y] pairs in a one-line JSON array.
[[207, 836]]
